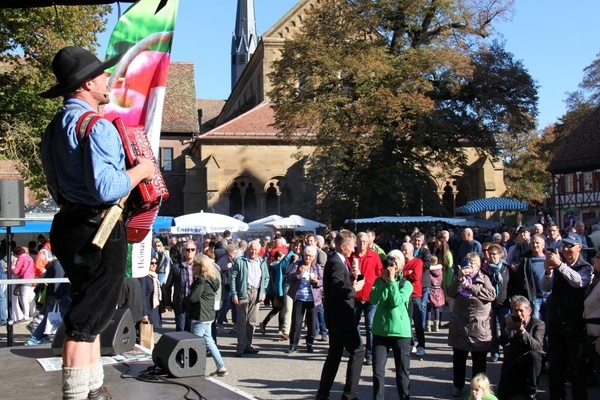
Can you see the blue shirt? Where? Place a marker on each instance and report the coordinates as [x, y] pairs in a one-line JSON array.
[[537, 267], [92, 173]]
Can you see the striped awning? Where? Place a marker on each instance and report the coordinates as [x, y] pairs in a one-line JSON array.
[[491, 204]]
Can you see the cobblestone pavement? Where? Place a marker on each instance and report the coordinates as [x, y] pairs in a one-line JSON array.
[[273, 374]]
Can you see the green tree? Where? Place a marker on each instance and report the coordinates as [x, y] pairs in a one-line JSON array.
[[386, 89], [525, 170], [29, 38]]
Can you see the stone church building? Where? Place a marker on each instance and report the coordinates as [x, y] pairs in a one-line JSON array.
[[239, 165]]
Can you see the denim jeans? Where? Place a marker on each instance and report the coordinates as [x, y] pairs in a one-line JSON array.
[[321, 326], [416, 316], [498, 317], [424, 301], [368, 310], [539, 307], [227, 305], [203, 330]]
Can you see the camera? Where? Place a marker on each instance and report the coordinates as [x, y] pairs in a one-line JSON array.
[[515, 318], [390, 262]]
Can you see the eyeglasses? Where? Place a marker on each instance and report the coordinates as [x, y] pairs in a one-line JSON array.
[[153, 262], [190, 249], [568, 245]]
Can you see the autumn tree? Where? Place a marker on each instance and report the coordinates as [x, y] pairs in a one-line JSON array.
[[29, 39], [386, 89]]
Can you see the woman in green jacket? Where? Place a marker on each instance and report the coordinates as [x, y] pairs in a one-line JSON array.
[[391, 325], [201, 306]]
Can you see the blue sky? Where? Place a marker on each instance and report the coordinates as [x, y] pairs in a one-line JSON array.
[[555, 40]]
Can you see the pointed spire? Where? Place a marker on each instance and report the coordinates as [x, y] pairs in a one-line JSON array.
[[244, 41]]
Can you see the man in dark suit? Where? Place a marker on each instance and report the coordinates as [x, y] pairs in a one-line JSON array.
[[523, 340], [340, 288]]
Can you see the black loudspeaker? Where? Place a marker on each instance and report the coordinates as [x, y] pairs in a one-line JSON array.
[[117, 338], [180, 354], [12, 203]]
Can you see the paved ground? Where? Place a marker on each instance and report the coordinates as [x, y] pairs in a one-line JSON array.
[[273, 374]]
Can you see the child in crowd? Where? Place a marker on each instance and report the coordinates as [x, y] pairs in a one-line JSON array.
[[436, 297], [481, 389]]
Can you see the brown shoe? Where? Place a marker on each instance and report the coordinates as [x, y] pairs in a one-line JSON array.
[[284, 336], [99, 394]]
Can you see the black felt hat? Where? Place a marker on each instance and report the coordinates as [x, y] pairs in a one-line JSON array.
[[72, 66]]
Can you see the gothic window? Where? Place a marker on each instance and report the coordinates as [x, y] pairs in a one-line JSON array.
[[448, 198], [271, 200], [250, 203], [235, 200]]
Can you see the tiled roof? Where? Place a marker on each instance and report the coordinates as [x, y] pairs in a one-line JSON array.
[[210, 111], [580, 151], [180, 114], [258, 123]]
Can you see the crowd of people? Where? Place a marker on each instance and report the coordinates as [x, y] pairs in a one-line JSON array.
[[516, 297]]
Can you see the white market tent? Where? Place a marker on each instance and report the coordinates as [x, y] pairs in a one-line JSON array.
[[296, 222], [201, 223]]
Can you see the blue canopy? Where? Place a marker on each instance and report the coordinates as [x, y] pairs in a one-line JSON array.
[[30, 227], [161, 224], [491, 204]]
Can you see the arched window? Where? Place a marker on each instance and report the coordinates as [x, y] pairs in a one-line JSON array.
[[250, 207], [235, 200], [448, 198], [272, 200]]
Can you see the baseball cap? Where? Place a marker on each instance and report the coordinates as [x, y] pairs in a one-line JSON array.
[[572, 238]]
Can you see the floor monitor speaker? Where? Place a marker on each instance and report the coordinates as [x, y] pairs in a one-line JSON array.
[[180, 354]]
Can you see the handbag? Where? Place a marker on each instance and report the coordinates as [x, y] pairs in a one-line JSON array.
[[147, 335], [53, 320], [17, 291]]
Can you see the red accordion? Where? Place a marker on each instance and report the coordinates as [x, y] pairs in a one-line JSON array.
[[144, 201]]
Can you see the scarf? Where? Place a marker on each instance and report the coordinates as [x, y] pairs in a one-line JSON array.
[[466, 292], [496, 275], [156, 293]]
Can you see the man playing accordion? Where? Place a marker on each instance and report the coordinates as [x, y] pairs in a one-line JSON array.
[[86, 175]]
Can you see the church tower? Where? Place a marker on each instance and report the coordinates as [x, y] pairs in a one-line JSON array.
[[244, 41]]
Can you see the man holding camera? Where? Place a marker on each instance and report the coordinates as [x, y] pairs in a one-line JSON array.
[[567, 278], [522, 339]]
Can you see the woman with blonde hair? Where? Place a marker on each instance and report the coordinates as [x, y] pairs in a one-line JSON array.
[[201, 306]]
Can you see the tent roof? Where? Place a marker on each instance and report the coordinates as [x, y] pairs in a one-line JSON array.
[[491, 204]]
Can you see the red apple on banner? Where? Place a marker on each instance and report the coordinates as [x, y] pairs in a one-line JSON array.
[[147, 70], [128, 99], [126, 104]]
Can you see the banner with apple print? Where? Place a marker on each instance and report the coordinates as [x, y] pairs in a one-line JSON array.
[[137, 84]]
